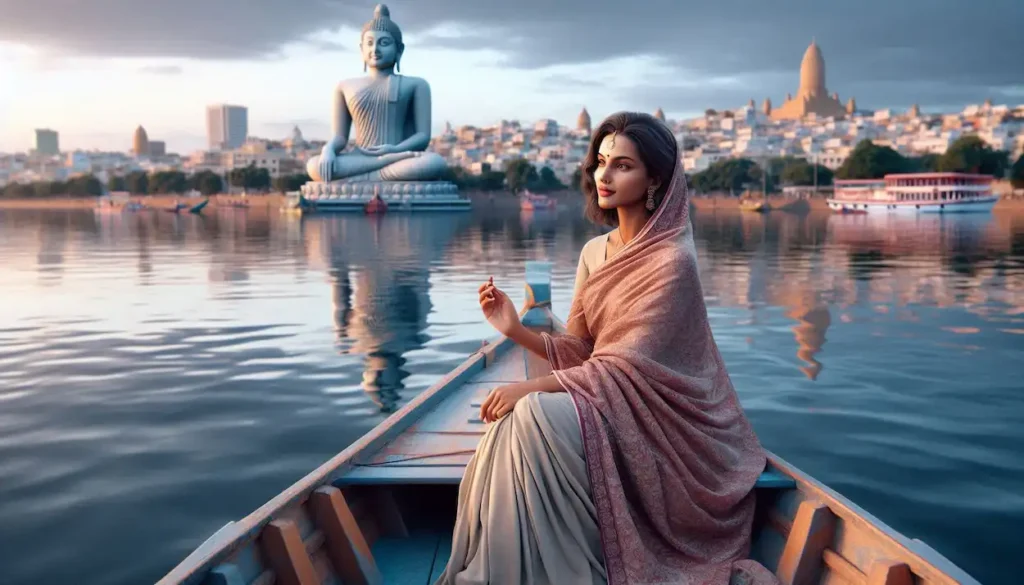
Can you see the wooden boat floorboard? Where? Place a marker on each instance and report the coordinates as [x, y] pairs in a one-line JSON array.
[[437, 447]]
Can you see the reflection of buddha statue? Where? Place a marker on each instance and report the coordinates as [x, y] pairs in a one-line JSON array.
[[810, 330], [391, 115]]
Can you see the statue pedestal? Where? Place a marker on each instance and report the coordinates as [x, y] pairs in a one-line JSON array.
[[399, 195]]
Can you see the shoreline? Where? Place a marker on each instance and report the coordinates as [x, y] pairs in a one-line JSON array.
[[701, 203], [67, 203]]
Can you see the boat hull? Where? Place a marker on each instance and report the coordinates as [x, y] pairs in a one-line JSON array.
[[979, 205], [382, 510]]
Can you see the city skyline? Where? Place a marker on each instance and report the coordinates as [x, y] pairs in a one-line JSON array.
[[128, 66]]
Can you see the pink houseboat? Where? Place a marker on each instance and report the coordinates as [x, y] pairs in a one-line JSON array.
[[915, 193]]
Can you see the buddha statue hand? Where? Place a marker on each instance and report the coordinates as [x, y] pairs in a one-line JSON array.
[[377, 150], [326, 163]]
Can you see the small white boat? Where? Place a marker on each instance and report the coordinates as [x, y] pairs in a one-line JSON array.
[[915, 193]]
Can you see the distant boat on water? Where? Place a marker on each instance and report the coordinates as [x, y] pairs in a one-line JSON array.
[[915, 193], [117, 202], [376, 205], [533, 202], [756, 205]]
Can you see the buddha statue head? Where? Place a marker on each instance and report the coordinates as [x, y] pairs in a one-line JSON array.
[[381, 41]]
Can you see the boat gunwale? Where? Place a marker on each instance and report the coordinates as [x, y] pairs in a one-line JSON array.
[[926, 562], [247, 529]]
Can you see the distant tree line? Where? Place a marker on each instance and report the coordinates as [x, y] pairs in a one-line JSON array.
[[207, 183], [968, 154], [519, 174], [734, 175]]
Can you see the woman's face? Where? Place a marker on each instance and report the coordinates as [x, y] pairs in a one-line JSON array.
[[621, 177]]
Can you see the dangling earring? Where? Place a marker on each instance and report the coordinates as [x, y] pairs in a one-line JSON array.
[[650, 198], [397, 68], [364, 66]]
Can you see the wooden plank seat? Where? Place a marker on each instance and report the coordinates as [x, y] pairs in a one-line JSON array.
[[452, 474]]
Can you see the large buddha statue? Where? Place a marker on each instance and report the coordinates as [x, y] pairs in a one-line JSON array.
[[390, 113]]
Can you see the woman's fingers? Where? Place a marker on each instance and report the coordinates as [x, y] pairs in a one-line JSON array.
[[484, 408], [501, 409]]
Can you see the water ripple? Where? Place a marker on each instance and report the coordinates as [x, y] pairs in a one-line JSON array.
[[191, 369]]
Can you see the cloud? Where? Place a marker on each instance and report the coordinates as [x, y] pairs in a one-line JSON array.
[[162, 69], [885, 48]]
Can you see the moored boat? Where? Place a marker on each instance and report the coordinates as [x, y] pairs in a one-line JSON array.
[[118, 202], [375, 205], [199, 207], [382, 510], [915, 193], [533, 202], [755, 205]]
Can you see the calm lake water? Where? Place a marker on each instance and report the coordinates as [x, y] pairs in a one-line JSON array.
[[161, 375]]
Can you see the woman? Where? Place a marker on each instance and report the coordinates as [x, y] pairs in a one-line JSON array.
[[633, 461]]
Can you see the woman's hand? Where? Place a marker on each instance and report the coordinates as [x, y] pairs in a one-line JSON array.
[[502, 400], [498, 308]]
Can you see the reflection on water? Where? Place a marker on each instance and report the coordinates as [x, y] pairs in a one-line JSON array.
[[189, 368], [379, 270]]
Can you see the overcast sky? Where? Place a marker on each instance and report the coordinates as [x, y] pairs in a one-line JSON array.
[[95, 70]]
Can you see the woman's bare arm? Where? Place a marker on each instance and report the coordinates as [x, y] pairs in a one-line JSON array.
[[530, 340]]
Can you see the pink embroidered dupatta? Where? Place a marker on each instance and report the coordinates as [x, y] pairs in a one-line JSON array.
[[672, 459]]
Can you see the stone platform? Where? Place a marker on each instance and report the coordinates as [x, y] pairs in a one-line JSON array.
[[399, 195]]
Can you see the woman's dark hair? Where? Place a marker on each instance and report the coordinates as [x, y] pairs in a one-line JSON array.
[[654, 143]]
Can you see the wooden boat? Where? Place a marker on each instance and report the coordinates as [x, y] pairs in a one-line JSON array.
[[532, 202], [198, 208], [376, 205], [756, 205], [234, 204], [382, 510], [176, 208]]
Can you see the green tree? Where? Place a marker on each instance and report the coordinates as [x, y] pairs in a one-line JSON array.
[[547, 181], [732, 175], [577, 178], [926, 163], [206, 182], [250, 177], [1017, 173], [116, 183], [19, 190], [971, 154], [85, 186], [491, 180], [801, 173], [49, 188], [137, 182], [519, 174], [168, 182], [285, 183], [870, 161], [238, 177], [258, 178]]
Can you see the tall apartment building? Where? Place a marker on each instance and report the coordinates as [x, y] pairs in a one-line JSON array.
[[227, 126], [47, 141]]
